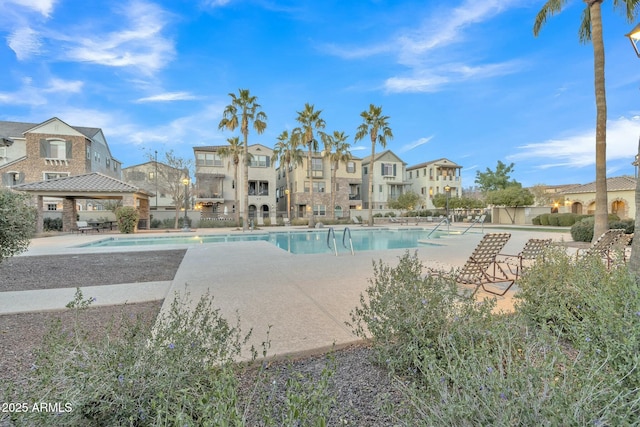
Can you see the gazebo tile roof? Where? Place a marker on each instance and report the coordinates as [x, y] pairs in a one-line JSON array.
[[91, 182]]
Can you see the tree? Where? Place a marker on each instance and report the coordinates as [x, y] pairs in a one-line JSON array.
[[337, 150], [513, 196], [542, 197], [495, 180], [234, 153], [591, 30], [243, 111], [309, 120], [406, 201], [287, 152], [17, 223], [377, 127], [171, 173]]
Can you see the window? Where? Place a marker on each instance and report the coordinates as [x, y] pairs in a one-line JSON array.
[[152, 176], [320, 210], [316, 164], [208, 159], [410, 174], [318, 187], [365, 170], [108, 162], [55, 175], [55, 149], [52, 207], [337, 211], [88, 153], [260, 162], [3, 152], [351, 167], [380, 188], [388, 169]]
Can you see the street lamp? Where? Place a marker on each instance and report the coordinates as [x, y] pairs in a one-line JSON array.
[[447, 189], [288, 193], [185, 225], [634, 38]]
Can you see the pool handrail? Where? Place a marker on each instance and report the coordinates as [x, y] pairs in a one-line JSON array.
[[344, 235], [445, 219], [331, 232], [480, 220]]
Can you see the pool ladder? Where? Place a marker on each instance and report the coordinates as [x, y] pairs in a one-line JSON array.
[[332, 234]]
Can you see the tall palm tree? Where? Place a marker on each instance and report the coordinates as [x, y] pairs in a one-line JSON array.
[[336, 149], [310, 120], [234, 152], [377, 127], [243, 111], [287, 152], [591, 30]]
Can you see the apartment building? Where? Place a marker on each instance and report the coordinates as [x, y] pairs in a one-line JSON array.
[[386, 176], [346, 191], [435, 177], [34, 152], [215, 184], [159, 179]]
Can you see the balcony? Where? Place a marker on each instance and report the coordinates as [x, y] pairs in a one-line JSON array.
[[356, 196]]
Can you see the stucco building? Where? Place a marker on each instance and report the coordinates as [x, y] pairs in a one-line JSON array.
[[387, 176], [434, 177]]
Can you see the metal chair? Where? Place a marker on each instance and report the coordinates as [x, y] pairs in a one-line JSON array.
[[516, 264]]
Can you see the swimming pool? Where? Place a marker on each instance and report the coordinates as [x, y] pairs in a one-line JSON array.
[[296, 242]]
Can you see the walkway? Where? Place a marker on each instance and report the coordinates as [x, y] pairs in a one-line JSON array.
[[305, 299]]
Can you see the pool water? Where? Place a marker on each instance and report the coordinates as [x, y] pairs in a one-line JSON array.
[[297, 242]]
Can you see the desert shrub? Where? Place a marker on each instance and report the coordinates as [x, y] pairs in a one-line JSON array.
[[377, 215], [299, 221], [592, 308], [566, 219], [544, 219], [390, 214], [52, 224], [583, 231], [156, 223], [553, 220], [460, 364], [17, 223], [127, 217], [535, 220]]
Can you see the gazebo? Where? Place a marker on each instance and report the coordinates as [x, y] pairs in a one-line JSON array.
[[88, 186]]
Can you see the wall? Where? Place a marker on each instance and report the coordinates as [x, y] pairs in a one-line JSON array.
[[523, 215]]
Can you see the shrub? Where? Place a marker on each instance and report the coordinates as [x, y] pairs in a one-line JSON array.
[[566, 219], [553, 220], [583, 231], [17, 220], [127, 217], [627, 224], [535, 220], [544, 219], [52, 224]]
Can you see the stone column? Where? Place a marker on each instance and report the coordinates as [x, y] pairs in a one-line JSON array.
[[144, 211], [39, 214], [69, 214]]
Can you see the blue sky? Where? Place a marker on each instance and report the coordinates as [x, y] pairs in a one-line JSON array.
[[462, 79]]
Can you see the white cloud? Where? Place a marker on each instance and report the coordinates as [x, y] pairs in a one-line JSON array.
[[25, 42], [578, 150], [66, 86], [215, 3], [31, 95], [167, 97], [43, 7], [415, 144], [140, 44]]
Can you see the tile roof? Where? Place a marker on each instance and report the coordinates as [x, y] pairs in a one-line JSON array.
[[17, 129], [439, 162], [618, 183], [91, 183]]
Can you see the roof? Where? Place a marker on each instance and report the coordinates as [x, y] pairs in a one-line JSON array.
[[619, 183], [17, 129], [88, 183], [367, 159], [438, 162]]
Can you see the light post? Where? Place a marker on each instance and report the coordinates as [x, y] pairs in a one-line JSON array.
[[634, 37], [447, 189], [185, 225], [288, 193]]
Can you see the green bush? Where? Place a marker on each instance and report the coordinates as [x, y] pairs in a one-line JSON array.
[[544, 219], [17, 223], [583, 231], [127, 217], [535, 220], [566, 219], [52, 224], [553, 220], [627, 224]]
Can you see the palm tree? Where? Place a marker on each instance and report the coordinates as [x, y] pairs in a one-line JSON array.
[[337, 149], [591, 30], [309, 120], [233, 152], [287, 152], [244, 110], [377, 127]]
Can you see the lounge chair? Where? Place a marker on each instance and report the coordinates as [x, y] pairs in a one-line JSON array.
[[356, 220], [516, 264], [398, 220], [607, 247], [82, 226], [482, 269]]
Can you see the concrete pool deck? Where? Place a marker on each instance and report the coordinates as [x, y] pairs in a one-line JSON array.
[[303, 300]]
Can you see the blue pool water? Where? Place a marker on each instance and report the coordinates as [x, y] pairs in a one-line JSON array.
[[296, 242]]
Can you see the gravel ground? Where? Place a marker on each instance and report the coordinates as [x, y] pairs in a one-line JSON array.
[[359, 386]]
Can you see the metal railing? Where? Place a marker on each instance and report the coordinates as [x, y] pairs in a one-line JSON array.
[[344, 235], [445, 219], [479, 220], [330, 233]]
